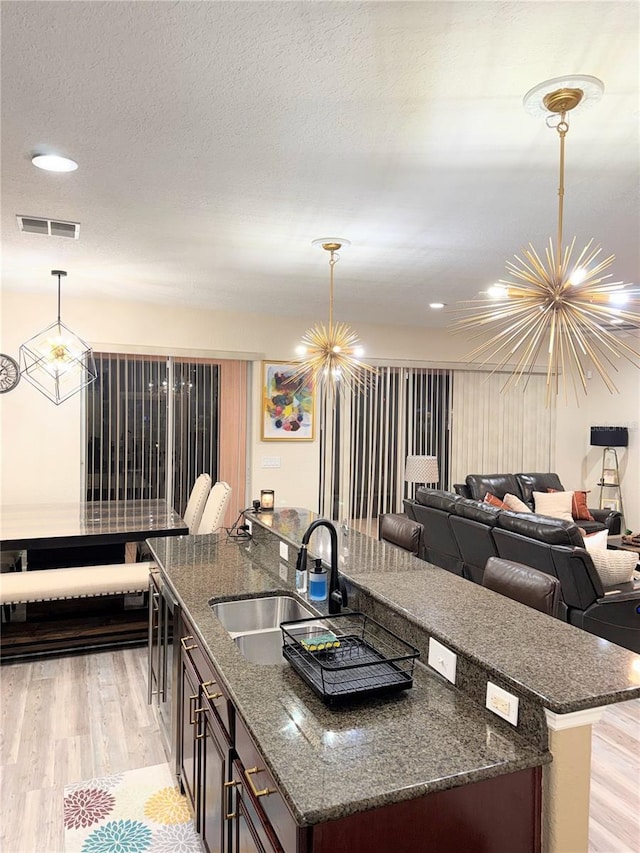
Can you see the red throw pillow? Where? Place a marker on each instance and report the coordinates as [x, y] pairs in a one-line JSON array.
[[494, 501], [579, 509]]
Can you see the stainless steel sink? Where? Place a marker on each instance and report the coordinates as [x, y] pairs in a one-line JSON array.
[[264, 647], [259, 614]]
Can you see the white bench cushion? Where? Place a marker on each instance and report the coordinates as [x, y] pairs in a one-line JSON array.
[[76, 582]]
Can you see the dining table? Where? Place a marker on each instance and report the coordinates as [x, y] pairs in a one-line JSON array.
[[87, 524]]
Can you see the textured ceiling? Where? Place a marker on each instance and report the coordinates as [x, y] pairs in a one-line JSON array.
[[216, 140]]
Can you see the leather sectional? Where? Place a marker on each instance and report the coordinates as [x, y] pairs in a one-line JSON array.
[[523, 486], [460, 534]]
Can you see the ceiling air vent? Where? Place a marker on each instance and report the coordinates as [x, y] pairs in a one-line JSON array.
[[48, 227]]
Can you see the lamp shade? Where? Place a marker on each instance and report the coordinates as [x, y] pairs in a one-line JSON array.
[[421, 469], [609, 436]]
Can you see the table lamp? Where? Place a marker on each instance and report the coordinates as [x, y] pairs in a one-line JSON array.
[[421, 470]]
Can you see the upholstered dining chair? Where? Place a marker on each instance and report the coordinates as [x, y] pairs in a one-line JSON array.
[[524, 584], [213, 514], [197, 502]]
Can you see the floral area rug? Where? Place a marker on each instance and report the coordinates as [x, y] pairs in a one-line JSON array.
[[140, 811]]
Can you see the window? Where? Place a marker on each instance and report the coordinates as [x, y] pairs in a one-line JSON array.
[[366, 439], [153, 424]]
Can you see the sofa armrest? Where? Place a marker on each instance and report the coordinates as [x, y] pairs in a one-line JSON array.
[[462, 489], [610, 518]]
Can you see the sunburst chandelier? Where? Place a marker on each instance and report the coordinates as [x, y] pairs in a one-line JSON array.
[[558, 300], [330, 355]]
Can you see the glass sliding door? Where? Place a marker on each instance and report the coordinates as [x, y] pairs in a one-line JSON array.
[[152, 426]]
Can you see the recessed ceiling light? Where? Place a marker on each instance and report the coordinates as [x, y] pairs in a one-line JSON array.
[[54, 163], [436, 305]]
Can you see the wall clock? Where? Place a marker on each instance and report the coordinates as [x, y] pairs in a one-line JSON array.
[[9, 373]]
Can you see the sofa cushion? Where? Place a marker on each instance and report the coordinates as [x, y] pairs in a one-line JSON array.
[[536, 482], [579, 509], [492, 500], [483, 512], [614, 567], [437, 498], [551, 531], [595, 541], [514, 503], [555, 504], [497, 484]]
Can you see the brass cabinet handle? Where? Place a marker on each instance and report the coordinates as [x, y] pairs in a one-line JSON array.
[[184, 641], [191, 718], [232, 815], [204, 686], [265, 791]]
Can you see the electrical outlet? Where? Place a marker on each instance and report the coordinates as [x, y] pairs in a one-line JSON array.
[[249, 524], [502, 703], [443, 660], [284, 550], [283, 571]]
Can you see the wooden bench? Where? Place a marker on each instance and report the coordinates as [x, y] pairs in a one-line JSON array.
[[76, 582]]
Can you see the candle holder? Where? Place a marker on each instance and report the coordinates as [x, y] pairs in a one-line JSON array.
[[267, 500]]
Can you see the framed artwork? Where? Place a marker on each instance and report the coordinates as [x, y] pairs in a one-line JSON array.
[[610, 503], [287, 411], [610, 475]]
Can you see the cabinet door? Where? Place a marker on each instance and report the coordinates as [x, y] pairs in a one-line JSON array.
[[188, 725], [251, 832], [212, 775], [155, 628]]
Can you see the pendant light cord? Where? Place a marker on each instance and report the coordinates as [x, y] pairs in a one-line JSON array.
[[333, 260], [59, 277], [562, 128]]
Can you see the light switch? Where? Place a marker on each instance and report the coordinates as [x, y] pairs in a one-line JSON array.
[[442, 659], [502, 703], [270, 461], [284, 550]]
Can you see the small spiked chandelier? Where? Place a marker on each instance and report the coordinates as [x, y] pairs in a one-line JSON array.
[[56, 361], [557, 301], [330, 355]]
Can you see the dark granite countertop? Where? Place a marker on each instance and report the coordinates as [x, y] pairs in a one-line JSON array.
[[560, 666], [331, 763]]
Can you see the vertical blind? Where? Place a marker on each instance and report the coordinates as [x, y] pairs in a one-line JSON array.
[[154, 424], [365, 439], [494, 432]]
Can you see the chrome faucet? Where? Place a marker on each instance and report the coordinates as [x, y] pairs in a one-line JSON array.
[[337, 598]]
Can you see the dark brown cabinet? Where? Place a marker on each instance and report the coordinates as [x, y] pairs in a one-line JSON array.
[[204, 746], [238, 807]]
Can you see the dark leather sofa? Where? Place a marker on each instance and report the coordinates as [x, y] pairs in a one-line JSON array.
[[460, 534], [523, 486]]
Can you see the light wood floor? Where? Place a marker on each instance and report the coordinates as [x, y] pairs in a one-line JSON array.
[[69, 719]]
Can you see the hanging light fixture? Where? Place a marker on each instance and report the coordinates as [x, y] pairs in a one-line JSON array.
[[56, 361], [330, 355], [556, 299]]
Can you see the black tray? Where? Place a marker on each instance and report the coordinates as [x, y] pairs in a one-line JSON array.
[[369, 661]]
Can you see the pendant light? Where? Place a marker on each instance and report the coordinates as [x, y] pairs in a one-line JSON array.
[[557, 301], [330, 354], [56, 361]]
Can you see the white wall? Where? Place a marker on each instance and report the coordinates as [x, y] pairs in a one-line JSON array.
[[578, 464], [40, 444]]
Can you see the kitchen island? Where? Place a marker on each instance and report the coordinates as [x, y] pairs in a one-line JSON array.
[[332, 766]]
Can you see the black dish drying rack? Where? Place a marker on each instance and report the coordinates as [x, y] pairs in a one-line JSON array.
[[369, 660]]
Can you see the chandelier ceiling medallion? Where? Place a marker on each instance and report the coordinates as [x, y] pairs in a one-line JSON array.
[[56, 361], [557, 299], [330, 355]]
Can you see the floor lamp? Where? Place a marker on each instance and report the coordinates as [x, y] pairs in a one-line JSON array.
[[421, 470], [609, 438]]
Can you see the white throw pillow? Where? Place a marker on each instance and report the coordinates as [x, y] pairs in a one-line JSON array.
[[515, 504], [596, 541], [614, 567], [554, 504]]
